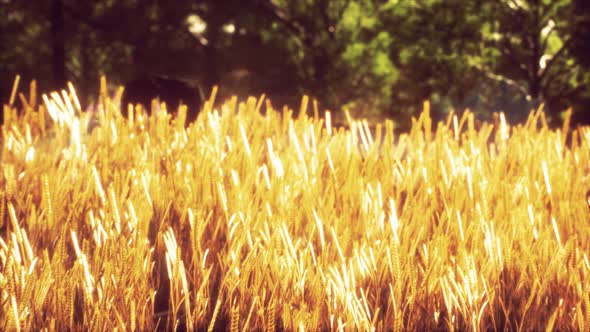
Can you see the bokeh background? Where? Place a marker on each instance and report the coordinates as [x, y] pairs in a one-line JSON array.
[[376, 58]]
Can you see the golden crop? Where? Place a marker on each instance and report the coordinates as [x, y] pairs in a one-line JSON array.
[[245, 221]]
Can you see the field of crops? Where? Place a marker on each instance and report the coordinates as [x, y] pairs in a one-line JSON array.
[[244, 221]]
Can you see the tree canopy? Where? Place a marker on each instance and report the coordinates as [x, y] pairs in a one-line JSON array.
[[374, 56]]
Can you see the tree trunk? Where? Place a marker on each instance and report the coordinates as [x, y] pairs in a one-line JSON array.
[[58, 43], [212, 59], [537, 53]]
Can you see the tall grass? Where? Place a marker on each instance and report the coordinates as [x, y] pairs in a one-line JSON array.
[[245, 221]]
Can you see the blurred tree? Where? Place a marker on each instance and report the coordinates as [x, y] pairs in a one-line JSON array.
[[84, 40], [127, 39], [23, 43], [580, 31], [491, 55], [434, 40], [58, 42], [370, 55], [580, 48], [335, 51], [527, 45]]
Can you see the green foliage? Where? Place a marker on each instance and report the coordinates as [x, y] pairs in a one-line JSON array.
[[388, 56]]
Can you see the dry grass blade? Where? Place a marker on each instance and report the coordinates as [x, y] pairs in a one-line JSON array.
[[292, 224]]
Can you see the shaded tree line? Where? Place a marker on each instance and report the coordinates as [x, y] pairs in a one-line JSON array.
[[374, 56]]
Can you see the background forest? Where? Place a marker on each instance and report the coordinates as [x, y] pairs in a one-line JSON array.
[[374, 57]]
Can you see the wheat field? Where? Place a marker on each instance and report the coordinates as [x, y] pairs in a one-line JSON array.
[[243, 221]]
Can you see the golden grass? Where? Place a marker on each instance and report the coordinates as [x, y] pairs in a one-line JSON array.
[[249, 222]]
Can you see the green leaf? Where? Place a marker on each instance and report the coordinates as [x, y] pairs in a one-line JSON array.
[[351, 17], [354, 52], [404, 55], [554, 43], [382, 66]]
